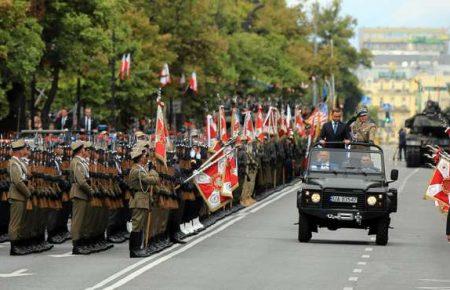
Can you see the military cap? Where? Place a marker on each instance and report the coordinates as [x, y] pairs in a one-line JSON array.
[[18, 144], [77, 145], [142, 144], [139, 134], [362, 112], [88, 145], [137, 152]]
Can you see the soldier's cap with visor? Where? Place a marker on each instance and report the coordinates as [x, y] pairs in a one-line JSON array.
[[139, 134], [18, 144], [77, 145], [363, 112], [88, 145], [136, 153]]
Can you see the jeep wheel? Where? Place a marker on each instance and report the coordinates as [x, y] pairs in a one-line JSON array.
[[383, 231], [304, 229]]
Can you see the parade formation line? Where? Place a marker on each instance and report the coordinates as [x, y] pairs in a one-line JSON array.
[[154, 261]]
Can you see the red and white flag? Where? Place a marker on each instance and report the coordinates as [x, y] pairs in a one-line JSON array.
[[125, 64], [193, 82], [268, 121], [259, 133], [211, 130], [235, 124], [299, 124], [283, 129], [165, 75], [161, 134], [248, 131], [223, 136], [439, 187], [230, 176]]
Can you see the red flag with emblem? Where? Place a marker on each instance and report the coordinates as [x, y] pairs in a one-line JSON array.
[[211, 130], [439, 187], [222, 125], [161, 134], [259, 124], [248, 131], [299, 125]]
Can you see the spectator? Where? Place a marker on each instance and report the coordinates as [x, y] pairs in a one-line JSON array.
[[63, 120], [334, 131], [88, 123], [401, 143]]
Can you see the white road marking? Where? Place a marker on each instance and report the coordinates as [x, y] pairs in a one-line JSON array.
[[137, 273], [435, 280], [365, 256], [357, 270], [18, 273], [362, 263], [68, 254], [348, 288], [353, 279], [434, 288], [241, 214], [369, 249], [402, 187]]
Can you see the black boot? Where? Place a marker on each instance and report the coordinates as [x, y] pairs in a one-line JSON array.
[[135, 246], [80, 248], [176, 238], [44, 244], [17, 249]]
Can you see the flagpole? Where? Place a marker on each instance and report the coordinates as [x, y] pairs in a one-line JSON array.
[[113, 77]]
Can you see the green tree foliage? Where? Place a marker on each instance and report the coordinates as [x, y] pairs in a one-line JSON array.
[[72, 48]]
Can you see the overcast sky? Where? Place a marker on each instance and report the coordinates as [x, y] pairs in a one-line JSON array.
[[394, 13]]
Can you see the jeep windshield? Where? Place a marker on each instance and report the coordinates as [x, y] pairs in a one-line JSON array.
[[354, 161]]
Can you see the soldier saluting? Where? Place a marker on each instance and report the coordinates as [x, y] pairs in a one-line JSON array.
[[19, 194], [80, 193], [363, 129], [140, 182]]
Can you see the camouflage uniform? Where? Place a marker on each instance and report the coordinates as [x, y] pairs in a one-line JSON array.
[[364, 132]]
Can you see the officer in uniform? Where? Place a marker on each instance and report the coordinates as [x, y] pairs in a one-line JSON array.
[[251, 169], [19, 194], [140, 182], [80, 193], [364, 130]]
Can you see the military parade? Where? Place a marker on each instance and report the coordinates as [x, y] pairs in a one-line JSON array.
[[211, 144]]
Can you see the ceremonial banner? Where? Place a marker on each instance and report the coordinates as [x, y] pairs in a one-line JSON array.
[[161, 134], [299, 125], [211, 130], [222, 125], [439, 187], [259, 124], [248, 131], [193, 83]]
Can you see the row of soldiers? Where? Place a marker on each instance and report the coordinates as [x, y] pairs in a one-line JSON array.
[[97, 191]]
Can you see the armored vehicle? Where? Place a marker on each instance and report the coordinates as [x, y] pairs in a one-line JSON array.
[[427, 128]]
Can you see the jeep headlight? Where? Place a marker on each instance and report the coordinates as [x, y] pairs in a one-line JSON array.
[[315, 197], [371, 200]]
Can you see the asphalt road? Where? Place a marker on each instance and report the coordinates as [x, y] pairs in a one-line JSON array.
[[257, 248]]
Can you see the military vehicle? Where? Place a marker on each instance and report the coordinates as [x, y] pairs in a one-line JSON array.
[[426, 128], [346, 188]]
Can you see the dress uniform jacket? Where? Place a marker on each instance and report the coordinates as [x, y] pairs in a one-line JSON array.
[[18, 190], [139, 181], [79, 171]]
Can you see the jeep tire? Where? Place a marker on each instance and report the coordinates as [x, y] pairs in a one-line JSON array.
[[382, 231], [304, 229]]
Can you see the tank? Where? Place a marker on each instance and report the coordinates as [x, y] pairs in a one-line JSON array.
[[426, 128]]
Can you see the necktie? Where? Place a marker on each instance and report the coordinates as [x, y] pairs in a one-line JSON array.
[[334, 127]]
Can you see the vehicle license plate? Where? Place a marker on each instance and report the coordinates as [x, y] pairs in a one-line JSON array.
[[343, 199]]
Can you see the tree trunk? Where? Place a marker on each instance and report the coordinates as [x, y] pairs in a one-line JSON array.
[[16, 116], [51, 97]]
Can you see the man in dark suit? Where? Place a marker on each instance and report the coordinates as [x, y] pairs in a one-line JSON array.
[[63, 120], [88, 123], [334, 131]]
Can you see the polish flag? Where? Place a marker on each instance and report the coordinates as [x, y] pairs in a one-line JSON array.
[[248, 130], [122, 67], [193, 82], [283, 126], [439, 187], [165, 75], [259, 124], [222, 125]]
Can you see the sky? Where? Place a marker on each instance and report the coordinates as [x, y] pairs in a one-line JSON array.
[[394, 13]]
